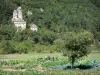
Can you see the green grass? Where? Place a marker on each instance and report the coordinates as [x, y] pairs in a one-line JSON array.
[[28, 56], [93, 56]]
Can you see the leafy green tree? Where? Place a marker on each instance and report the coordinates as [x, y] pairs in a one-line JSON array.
[[76, 45], [7, 32], [6, 9], [7, 47], [22, 47], [96, 2], [60, 45], [47, 37], [24, 35]]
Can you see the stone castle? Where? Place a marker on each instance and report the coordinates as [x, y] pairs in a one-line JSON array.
[[18, 19], [19, 22]]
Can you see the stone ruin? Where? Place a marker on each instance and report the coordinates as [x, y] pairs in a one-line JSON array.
[[18, 19]]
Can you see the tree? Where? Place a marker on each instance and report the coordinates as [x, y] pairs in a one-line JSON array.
[[76, 45], [96, 2], [7, 47], [7, 32], [6, 9]]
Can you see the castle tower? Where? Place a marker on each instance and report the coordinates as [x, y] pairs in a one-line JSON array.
[[19, 11], [18, 19]]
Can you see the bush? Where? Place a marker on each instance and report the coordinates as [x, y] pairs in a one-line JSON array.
[[7, 47]]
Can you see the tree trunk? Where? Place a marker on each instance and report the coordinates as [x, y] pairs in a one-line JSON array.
[[73, 60]]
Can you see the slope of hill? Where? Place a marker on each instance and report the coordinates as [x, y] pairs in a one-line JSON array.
[[57, 16], [75, 13]]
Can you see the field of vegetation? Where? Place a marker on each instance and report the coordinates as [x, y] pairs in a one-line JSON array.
[[48, 64], [54, 24]]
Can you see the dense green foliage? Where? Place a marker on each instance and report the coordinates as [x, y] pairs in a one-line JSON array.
[[76, 45], [56, 18]]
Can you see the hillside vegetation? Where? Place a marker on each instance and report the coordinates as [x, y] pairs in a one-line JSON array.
[[57, 18]]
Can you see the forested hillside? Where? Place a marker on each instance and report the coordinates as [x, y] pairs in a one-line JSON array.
[[54, 18]]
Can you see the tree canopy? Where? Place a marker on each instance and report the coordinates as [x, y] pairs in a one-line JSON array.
[[54, 18]]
